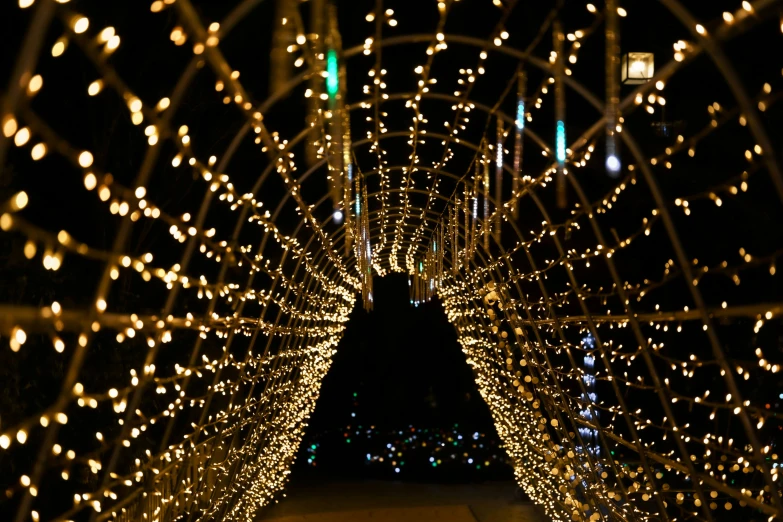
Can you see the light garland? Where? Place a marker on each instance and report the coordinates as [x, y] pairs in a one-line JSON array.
[[219, 380]]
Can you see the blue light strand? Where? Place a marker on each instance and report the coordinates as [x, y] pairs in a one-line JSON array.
[[560, 143], [521, 114]]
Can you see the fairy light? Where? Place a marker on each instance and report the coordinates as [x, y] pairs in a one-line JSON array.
[[521, 328]]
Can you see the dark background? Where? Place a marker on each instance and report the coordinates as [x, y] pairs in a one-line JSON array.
[[399, 370], [405, 364]]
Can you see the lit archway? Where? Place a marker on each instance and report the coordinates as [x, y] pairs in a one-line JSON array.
[[185, 375]]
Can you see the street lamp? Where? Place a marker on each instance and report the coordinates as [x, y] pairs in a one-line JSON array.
[[637, 68]]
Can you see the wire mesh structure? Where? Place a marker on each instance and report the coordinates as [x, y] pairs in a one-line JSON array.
[[182, 251]]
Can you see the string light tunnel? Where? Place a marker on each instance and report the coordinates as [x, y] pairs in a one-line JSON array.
[[182, 248]]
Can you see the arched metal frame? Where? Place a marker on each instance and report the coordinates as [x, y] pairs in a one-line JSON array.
[[244, 460]]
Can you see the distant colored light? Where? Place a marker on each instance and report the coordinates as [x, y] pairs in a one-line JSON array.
[[521, 115], [338, 216], [313, 446], [613, 164], [560, 143], [332, 78], [348, 441], [355, 394]]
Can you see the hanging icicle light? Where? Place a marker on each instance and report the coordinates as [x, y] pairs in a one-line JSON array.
[[560, 138], [498, 178], [466, 211], [336, 119], [485, 223], [612, 88], [362, 246], [456, 260], [332, 74], [520, 122], [348, 167], [560, 152], [589, 435], [477, 183], [518, 143]]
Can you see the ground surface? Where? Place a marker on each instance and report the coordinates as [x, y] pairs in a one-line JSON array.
[[396, 501]]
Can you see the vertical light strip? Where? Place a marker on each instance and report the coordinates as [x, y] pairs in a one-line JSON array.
[[336, 124], [454, 223], [474, 221], [518, 142], [357, 223], [466, 211], [367, 292], [442, 253], [560, 138], [613, 164], [348, 168], [332, 74], [561, 142], [498, 179], [486, 195]]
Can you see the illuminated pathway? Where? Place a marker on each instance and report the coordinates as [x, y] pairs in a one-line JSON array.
[[382, 502]]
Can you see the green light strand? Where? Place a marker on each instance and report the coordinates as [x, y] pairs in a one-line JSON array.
[[332, 74]]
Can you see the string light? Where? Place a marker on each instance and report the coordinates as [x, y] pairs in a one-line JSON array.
[[207, 427]]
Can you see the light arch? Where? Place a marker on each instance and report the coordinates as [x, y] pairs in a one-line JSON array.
[[267, 284]]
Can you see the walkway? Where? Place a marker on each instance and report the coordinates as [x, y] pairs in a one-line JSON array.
[[394, 501]]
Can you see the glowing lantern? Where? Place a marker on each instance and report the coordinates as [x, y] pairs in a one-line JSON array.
[[637, 68]]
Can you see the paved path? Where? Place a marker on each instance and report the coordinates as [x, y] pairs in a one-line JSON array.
[[397, 501]]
